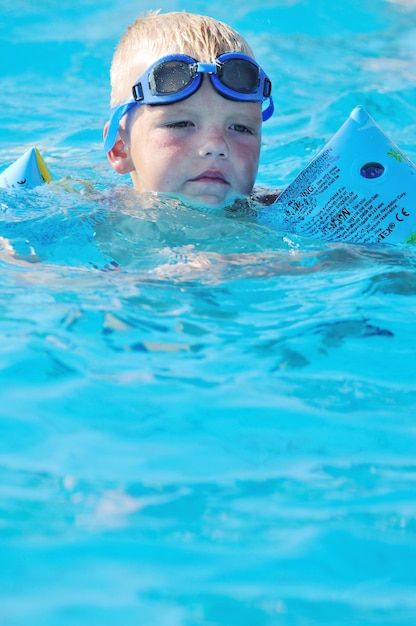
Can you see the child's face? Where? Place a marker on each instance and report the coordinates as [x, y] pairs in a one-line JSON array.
[[205, 147]]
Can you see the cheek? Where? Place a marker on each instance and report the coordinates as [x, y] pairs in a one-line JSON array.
[[164, 166], [248, 155], [167, 158], [248, 158], [155, 157], [163, 146]]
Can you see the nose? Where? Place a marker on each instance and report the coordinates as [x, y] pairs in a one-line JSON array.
[[213, 144]]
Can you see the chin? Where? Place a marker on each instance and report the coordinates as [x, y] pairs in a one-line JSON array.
[[215, 202], [204, 201]]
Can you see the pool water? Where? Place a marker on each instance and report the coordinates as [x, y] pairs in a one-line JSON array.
[[204, 421]]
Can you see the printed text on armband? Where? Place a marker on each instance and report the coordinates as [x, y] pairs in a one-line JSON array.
[[302, 185]]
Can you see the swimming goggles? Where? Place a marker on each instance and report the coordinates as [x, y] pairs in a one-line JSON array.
[[234, 75]]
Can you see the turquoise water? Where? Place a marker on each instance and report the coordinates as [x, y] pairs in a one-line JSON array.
[[203, 421]]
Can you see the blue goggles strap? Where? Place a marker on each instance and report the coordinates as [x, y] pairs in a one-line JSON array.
[[147, 91]]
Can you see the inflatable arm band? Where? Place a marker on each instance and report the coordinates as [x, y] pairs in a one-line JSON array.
[[26, 172]]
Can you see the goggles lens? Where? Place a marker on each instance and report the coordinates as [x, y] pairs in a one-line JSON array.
[[234, 75], [239, 75], [170, 77]]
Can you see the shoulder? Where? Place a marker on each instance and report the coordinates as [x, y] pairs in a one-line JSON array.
[[265, 196]]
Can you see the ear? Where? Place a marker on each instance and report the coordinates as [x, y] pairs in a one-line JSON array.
[[119, 155]]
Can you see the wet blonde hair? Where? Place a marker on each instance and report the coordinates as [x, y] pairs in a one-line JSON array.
[[155, 35]]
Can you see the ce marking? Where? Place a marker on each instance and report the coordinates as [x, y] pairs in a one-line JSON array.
[[404, 213]]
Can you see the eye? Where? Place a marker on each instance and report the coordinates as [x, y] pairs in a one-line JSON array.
[[179, 124], [241, 128]]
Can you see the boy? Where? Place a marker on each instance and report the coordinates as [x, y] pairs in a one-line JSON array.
[[202, 139]]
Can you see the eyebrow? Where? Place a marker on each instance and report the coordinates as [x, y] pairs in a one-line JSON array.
[[184, 108]]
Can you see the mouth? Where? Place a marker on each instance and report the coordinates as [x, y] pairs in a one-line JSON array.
[[211, 176]]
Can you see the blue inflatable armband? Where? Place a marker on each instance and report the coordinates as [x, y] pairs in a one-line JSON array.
[[359, 188], [27, 171]]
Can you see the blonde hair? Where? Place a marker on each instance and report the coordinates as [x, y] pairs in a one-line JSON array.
[[154, 35]]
